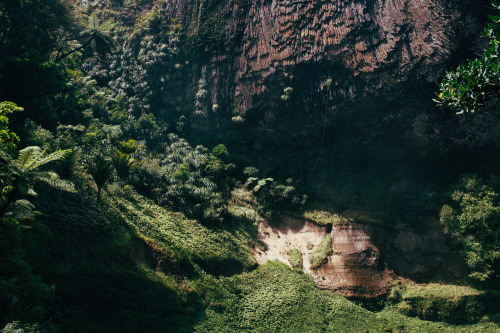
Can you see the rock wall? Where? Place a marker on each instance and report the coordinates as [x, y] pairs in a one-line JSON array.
[[355, 267], [376, 41], [364, 256]]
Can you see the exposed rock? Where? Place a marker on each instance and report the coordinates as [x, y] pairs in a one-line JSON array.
[[376, 41], [355, 268], [291, 233], [362, 254]]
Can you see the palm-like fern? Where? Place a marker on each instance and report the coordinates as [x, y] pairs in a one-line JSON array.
[[101, 171], [22, 173], [124, 164], [96, 35]]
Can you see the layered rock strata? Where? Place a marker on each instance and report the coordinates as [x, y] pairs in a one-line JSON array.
[[375, 41], [363, 257]]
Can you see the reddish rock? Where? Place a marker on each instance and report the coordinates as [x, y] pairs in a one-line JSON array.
[[355, 268], [376, 41], [362, 254]]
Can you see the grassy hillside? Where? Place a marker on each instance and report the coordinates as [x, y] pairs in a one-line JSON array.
[[97, 284], [275, 298]]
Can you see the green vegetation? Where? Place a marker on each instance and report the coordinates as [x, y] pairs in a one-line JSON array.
[[101, 171], [473, 218], [20, 176], [219, 250], [448, 303], [206, 32], [295, 258], [472, 85], [8, 139], [188, 179], [115, 216], [275, 197], [322, 252], [278, 299], [322, 217]]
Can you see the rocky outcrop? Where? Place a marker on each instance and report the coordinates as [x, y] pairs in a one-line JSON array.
[[364, 257], [356, 267], [373, 42]]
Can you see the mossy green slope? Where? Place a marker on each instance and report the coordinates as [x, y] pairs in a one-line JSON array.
[[218, 249], [275, 298]]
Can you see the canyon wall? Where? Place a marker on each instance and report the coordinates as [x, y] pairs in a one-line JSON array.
[[373, 43], [364, 258]]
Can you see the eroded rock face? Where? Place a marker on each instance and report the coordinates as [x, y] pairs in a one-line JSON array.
[[355, 267], [362, 254], [374, 41]]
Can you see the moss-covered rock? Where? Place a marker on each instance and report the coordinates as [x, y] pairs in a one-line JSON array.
[[320, 256], [295, 258]]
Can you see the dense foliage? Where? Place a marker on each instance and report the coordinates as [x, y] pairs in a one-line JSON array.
[[473, 220], [477, 83], [115, 216]]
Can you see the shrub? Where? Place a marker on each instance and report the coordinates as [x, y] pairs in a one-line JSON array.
[[323, 251], [182, 179], [473, 220], [274, 196], [295, 258]]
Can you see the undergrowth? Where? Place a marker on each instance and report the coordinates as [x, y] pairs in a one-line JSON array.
[[295, 258], [217, 249], [275, 298], [322, 252]]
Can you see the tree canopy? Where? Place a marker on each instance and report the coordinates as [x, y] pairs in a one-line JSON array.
[[476, 83]]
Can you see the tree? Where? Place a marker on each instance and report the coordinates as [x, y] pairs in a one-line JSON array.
[[471, 85], [20, 175], [28, 32], [124, 164], [96, 35], [101, 171], [8, 139], [473, 220]]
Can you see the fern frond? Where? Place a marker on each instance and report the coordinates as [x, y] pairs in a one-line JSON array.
[[53, 180], [107, 26], [4, 156], [27, 157], [22, 210], [93, 21], [55, 156], [24, 204]]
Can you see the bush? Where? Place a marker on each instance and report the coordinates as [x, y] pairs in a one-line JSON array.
[[473, 220], [323, 251], [274, 196], [179, 178], [295, 258]]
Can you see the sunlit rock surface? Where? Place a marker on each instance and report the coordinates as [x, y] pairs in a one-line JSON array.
[[378, 42]]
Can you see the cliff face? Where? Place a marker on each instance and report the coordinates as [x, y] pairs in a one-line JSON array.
[[374, 41], [364, 257]]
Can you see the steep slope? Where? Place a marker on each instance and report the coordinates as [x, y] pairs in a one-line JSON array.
[[360, 258], [363, 44]]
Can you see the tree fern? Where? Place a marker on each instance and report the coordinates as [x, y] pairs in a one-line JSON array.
[[101, 171], [31, 158], [22, 174]]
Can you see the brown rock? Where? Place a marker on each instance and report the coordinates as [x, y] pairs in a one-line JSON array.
[[362, 254], [355, 268], [376, 41]]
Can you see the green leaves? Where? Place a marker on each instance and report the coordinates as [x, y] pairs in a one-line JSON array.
[[101, 170], [468, 87], [8, 139], [33, 157], [21, 174], [473, 220]]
